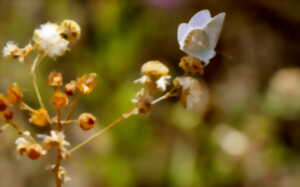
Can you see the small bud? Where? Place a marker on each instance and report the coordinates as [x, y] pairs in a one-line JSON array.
[[70, 88], [39, 117], [87, 121], [8, 115], [14, 94], [86, 83], [59, 99], [55, 79], [3, 103], [191, 65], [70, 30], [155, 69]]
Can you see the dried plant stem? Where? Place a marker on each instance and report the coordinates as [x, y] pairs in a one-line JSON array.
[[59, 159], [35, 63], [122, 118], [16, 127], [72, 107]]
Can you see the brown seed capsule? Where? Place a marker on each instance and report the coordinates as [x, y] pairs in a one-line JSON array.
[[59, 99], [8, 115], [87, 121], [191, 65], [70, 88], [55, 79], [154, 69], [86, 83], [34, 151], [3, 103], [14, 94], [39, 117]]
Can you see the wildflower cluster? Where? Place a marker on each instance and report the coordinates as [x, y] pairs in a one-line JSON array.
[[198, 39]]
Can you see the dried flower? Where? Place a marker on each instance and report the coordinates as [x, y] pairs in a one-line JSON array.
[[55, 79], [56, 139], [3, 103], [59, 99], [200, 35], [70, 88], [11, 49], [39, 117], [49, 41], [31, 150], [154, 69], [194, 95], [70, 30], [87, 121], [163, 82], [14, 94], [191, 65], [143, 101], [86, 83]]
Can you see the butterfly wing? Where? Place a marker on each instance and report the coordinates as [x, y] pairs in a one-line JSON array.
[[213, 29], [182, 32], [200, 19]]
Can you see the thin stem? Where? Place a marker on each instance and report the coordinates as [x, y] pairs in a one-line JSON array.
[[59, 159], [16, 127], [165, 96], [72, 107], [35, 63], [60, 126], [122, 118]]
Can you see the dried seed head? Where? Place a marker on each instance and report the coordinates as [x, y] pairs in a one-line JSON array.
[[3, 103], [70, 30], [56, 139], [154, 69], [87, 121], [8, 115], [55, 79], [86, 83], [31, 150], [191, 65], [35, 151], [59, 99], [143, 101], [14, 94], [70, 88], [39, 117], [12, 50], [194, 95]]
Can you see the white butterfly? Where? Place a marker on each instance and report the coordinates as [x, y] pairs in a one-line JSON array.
[[200, 35]]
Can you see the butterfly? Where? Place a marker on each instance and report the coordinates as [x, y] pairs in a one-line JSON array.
[[200, 35]]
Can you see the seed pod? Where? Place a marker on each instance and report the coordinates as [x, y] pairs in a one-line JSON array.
[[8, 115], [87, 121], [55, 79], [14, 94], [86, 83], [39, 117], [59, 99], [34, 151], [70, 88], [70, 30]]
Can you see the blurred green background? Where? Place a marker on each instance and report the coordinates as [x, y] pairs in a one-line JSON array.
[[249, 135]]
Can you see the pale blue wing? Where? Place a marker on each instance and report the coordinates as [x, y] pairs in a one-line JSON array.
[[182, 32], [213, 29], [200, 19]]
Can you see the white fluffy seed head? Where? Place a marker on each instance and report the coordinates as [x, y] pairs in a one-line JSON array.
[[49, 40], [9, 49]]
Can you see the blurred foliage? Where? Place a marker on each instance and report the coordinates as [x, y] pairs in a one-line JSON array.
[[249, 135]]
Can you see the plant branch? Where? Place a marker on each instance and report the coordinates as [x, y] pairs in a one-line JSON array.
[[35, 63]]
